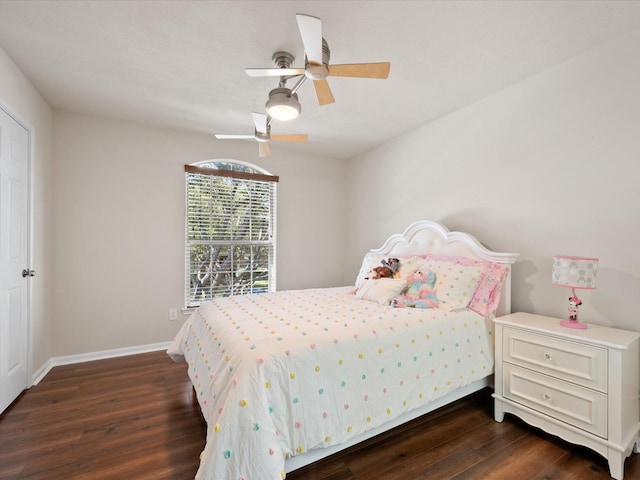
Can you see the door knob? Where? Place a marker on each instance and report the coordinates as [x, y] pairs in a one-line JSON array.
[[28, 273]]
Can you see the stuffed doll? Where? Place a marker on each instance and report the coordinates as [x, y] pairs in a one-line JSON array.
[[419, 292], [387, 270]]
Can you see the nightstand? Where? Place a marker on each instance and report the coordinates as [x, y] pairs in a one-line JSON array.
[[581, 385]]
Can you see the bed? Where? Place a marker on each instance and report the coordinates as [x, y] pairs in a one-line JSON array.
[[284, 379]]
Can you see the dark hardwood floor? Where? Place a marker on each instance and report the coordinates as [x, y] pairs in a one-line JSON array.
[[134, 418]]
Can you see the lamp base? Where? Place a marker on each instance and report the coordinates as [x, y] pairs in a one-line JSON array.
[[573, 324]]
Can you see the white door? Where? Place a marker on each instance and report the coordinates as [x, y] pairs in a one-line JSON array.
[[14, 258]]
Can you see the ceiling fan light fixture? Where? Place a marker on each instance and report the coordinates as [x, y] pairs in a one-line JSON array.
[[282, 104]]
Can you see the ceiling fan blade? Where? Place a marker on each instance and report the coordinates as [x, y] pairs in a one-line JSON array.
[[228, 137], [263, 149], [361, 70], [274, 72], [260, 121], [323, 92], [311, 33], [289, 137]]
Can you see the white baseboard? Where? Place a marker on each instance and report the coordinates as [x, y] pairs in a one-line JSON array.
[[89, 357], [42, 371]]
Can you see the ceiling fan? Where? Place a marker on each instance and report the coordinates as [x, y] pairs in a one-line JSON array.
[[317, 66], [262, 135]]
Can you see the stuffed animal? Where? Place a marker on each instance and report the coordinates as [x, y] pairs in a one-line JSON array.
[[419, 292], [387, 270]]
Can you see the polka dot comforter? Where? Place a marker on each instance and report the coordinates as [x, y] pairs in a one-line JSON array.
[[279, 374]]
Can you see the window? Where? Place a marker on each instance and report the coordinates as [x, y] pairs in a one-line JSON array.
[[230, 230]]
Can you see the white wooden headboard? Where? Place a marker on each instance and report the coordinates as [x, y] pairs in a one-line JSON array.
[[426, 236]]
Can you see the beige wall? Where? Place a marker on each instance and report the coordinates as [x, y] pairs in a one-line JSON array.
[[20, 99], [549, 166], [119, 227]]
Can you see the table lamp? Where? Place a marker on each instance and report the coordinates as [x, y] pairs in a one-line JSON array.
[[574, 273]]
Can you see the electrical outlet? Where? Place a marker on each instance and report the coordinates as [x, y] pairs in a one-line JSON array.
[[173, 314]]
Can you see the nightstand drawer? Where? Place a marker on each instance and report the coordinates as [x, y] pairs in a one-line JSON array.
[[575, 405], [574, 362]]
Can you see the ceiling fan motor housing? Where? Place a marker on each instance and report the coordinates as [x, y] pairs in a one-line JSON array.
[[315, 71]]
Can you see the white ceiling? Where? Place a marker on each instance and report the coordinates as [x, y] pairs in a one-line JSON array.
[[181, 64]]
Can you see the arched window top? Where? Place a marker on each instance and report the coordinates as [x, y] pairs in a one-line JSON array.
[[231, 166]]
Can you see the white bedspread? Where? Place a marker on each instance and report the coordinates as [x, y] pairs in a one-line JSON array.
[[279, 374]]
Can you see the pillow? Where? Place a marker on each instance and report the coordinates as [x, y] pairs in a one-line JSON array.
[[418, 292], [486, 298], [455, 284], [381, 290], [408, 266]]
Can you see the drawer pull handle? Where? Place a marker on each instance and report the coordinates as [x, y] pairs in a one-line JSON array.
[[547, 397], [547, 356]]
